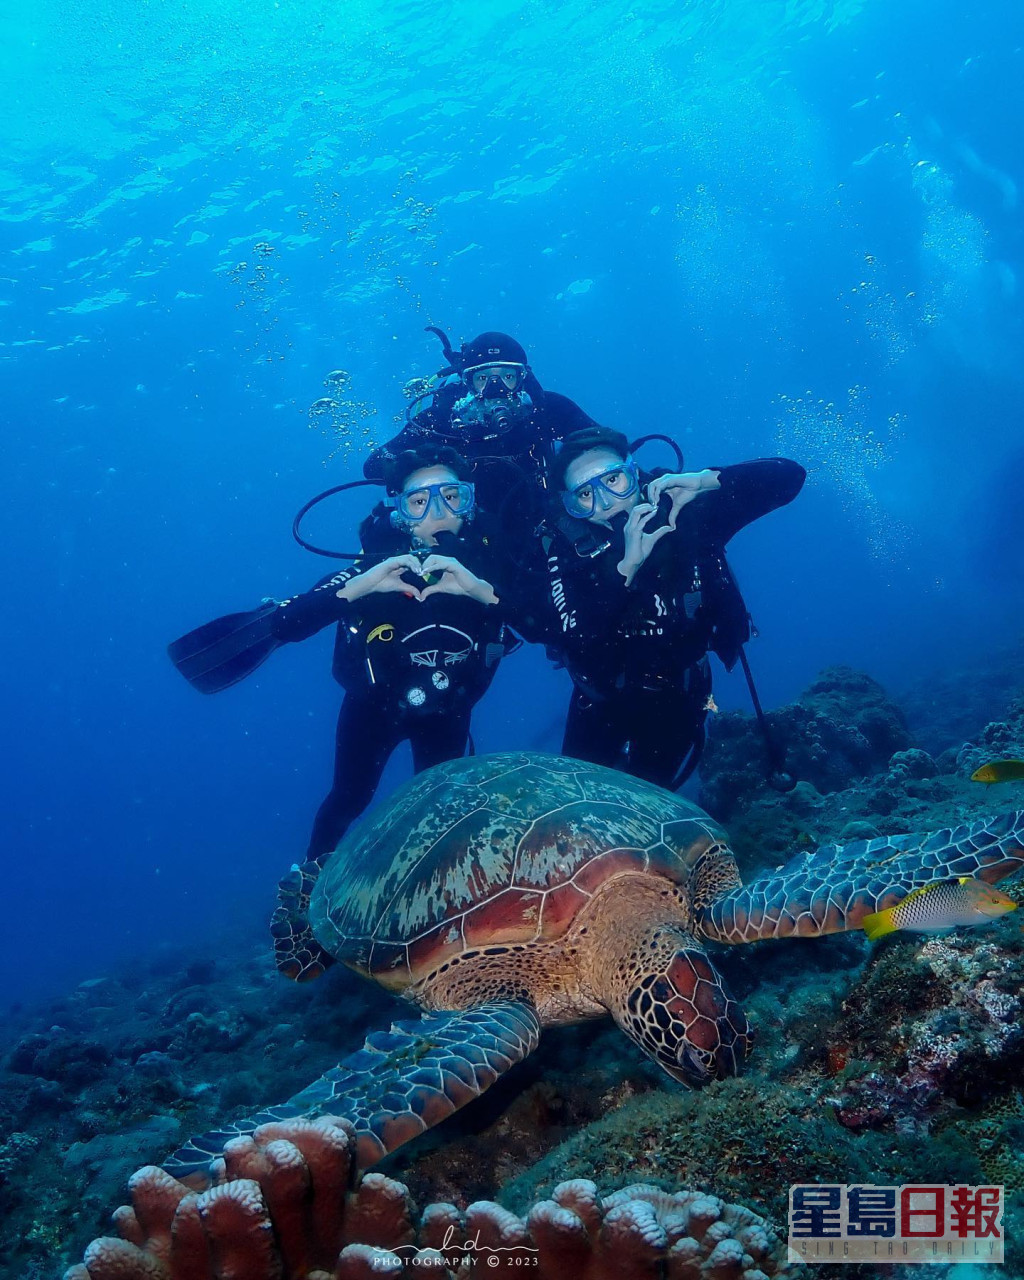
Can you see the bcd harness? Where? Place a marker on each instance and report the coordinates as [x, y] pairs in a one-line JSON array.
[[713, 589]]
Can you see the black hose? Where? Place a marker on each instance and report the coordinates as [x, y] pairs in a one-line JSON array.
[[777, 775], [307, 507], [454, 359], [692, 758], [673, 445]]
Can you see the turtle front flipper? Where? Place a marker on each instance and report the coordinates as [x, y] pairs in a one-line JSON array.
[[834, 888], [401, 1083]]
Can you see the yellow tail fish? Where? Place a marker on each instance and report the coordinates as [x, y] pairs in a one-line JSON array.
[[999, 771], [945, 904]]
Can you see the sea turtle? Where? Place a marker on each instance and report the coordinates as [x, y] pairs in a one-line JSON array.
[[505, 893]]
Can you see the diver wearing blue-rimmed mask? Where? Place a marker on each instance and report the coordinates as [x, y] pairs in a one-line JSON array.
[[495, 401], [420, 633], [635, 592], [420, 638], [608, 483]]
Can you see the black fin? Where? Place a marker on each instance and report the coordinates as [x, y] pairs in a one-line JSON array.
[[220, 653]]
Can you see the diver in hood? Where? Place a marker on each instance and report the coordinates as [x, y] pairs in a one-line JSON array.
[[487, 403], [633, 592], [419, 635]]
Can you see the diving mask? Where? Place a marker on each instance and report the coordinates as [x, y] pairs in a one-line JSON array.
[[501, 378], [600, 492], [453, 497]]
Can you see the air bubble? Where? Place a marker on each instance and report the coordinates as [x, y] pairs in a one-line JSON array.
[[339, 417]]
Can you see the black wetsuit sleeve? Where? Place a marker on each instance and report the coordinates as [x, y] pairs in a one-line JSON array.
[[748, 491], [563, 416], [304, 615]]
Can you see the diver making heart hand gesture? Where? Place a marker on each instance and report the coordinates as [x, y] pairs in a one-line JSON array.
[[419, 632]]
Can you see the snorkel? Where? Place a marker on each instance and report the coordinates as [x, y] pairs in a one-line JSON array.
[[454, 358]]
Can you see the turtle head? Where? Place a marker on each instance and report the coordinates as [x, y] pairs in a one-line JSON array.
[[639, 959], [680, 1014]]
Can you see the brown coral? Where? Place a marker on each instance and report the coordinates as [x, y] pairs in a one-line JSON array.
[[289, 1206]]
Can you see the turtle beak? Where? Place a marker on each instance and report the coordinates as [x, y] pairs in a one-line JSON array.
[[693, 1070], [698, 1067]]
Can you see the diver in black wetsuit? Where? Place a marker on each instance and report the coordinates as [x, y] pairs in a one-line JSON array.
[[488, 404], [637, 592], [419, 633]]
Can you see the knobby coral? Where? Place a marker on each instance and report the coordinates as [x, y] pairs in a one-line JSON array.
[[288, 1205]]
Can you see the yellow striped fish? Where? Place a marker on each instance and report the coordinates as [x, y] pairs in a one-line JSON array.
[[945, 904]]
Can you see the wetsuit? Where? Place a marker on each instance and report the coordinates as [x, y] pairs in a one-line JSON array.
[[412, 670], [638, 655], [502, 458]]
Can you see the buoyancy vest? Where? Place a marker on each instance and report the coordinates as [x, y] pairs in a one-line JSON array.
[[423, 657], [675, 612]]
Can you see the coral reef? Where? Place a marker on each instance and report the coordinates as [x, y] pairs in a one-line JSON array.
[[748, 1138], [907, 789], [843, 727], [1000, 739], [289, 1208], [888, 1063], [150, 1076], [936, 1025], [945, 707], [999, 1134], [67, 1059]]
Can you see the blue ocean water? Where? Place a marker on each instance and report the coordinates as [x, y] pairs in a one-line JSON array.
[[762, 227]]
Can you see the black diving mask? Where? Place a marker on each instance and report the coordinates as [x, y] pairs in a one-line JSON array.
[[498, 379]]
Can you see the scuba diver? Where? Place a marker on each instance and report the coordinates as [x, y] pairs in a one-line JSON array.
[[637, 592], [420, 635], [487, 403]]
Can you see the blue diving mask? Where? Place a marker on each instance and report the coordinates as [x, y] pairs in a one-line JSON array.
[[601, 492], [452, 497]]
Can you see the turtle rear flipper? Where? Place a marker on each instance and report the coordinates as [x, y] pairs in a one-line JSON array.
[[401, 1083], [834, 888], [297, 953]]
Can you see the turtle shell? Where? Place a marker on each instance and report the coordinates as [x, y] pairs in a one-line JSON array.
[[492, 850]]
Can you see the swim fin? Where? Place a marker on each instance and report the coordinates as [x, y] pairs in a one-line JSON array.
[[220, 653]]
